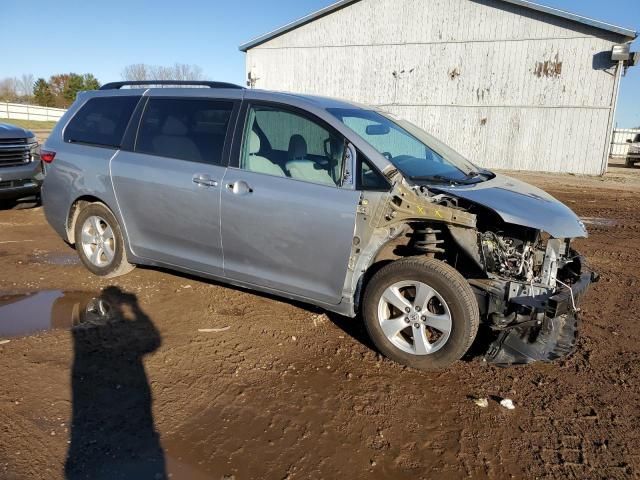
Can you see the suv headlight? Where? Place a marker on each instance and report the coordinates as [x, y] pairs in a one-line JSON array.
[[34, 149]]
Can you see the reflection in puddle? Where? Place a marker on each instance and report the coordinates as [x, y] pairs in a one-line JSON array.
[[600, 222], [25, 313]]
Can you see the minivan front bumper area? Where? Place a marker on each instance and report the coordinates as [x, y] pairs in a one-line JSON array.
[[547, 330]]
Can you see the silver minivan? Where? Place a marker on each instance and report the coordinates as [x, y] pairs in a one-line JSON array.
[[324, 201]]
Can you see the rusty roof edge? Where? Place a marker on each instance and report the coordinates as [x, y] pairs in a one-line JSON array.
[[625, 32]]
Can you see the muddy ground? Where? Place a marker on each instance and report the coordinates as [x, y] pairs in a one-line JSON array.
[[281, 390]]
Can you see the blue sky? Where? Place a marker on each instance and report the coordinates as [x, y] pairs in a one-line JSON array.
[[103, 37]]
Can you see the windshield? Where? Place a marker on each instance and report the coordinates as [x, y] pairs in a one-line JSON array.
[[413, 151]]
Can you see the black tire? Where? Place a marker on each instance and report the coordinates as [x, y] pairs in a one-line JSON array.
[[118, 265], [450, 285], [629, 162]]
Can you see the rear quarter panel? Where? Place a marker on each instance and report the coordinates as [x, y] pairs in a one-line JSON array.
[[77, 171]]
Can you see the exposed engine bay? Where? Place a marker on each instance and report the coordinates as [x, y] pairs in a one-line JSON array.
[[530, 296], [528, 281]]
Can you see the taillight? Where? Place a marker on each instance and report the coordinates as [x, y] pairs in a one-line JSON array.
[[47, 156]]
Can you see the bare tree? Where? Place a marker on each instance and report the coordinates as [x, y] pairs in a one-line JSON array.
[[178, 71], [136, 72], [159, 72], [183, 71], [8, 89], [25, 85]]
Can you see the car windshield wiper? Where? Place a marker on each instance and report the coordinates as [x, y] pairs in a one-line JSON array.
[[443, 179], [482, 173]]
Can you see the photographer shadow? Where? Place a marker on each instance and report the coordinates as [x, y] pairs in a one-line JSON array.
[[112, 430]]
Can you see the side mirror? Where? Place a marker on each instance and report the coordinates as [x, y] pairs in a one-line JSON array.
[[629, 140]]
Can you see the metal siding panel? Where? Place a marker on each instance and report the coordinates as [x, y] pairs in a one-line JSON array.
[[518, 138], [385, 21], [445, 74], [471, 64]]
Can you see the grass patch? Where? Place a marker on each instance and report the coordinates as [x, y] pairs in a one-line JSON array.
[[29, 124]]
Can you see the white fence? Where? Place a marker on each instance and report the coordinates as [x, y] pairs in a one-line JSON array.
[[30, 112], [619, 145]]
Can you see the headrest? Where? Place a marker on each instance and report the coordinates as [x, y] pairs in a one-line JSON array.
[[297, 147], [336, 147], [174, 126], [254, 143]]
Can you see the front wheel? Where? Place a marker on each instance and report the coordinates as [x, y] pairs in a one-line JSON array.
[[99, 242], [421, 312]]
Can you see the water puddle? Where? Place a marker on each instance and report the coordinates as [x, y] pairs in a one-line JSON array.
[[26, 313], [599, 222]]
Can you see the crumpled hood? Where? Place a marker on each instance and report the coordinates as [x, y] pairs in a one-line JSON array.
[[521, 204], [11, 131]]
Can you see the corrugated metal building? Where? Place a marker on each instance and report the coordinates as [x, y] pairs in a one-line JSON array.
[[508, 83]]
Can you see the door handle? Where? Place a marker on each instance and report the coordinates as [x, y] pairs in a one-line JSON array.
[[239, 187], [204, 180]]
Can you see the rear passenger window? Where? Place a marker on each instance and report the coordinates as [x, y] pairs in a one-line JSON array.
[[186, 129], [101, 121]]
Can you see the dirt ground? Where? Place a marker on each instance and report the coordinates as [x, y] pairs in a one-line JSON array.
[[281, 390]]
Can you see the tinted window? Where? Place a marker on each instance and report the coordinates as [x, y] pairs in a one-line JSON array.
[[101, 121], [187, 129], [285, 144]]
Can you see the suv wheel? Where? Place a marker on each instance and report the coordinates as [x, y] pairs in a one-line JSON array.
[[100, 243], [421, 312]]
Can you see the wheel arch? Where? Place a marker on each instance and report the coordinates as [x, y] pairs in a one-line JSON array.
[[401, 245], [74, 210], [383, 255]]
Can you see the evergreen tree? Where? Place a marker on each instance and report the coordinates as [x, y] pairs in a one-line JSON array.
[[90, 82], [74, 84], [42, 93]]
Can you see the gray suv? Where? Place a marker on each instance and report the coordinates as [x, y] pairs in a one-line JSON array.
[[20, 167], [323, 201]]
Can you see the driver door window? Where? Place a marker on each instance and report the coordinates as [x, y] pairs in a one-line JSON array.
[[284, 144]]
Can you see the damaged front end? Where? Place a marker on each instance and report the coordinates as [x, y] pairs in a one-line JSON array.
[[513, 243], [532, 280], [530, 296]]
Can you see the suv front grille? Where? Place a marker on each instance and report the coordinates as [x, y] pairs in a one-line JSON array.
[[14, 152]]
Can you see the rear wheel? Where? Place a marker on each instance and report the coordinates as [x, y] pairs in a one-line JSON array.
[[629, 162], [421, 312], [100, 243]]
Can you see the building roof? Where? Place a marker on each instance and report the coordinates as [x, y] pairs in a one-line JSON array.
[[624, 32]]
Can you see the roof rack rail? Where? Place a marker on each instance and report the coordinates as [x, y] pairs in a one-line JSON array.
[[182, 83]]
